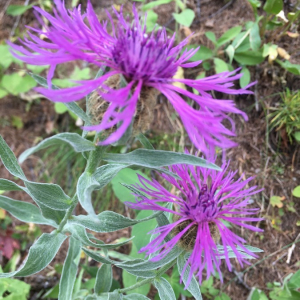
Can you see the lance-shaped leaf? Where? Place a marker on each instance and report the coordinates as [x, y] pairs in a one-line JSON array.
[[132, 267], [107, 221], [72, 106], [115, 296], [139, 272], [78, 144], [85, 186], [144, 141], [9, 160], [69, 271], [103, 279], [24, 211], [79, 233], [193, 287], [51, 195], [98, 257], [164, 288], [40, 254], [135, 297], [7, 185], [158, 158]]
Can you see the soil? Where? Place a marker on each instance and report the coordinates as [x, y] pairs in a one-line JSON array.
[[275, 166]]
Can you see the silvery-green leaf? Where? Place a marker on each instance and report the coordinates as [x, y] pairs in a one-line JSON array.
[[104, 279], [104, 174], [68, 276], [98, 257], [107, 221], [79, 233], [24, 211], [164, 288], [50, 195], [7, 185], [193, 287], [40, 254], [78, 144], [129, 266], [144, 141], [72, 106], [231, 254], [10, 161], [115, 296], [85, 186], [158, 158], [135, 297]]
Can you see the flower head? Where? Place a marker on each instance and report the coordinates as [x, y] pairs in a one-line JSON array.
[[145, 60], [204, 201]]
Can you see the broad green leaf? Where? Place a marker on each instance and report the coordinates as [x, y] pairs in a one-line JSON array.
[[229, 35], [152, 4], [60, 108], [135, 296], [249, 58], [72, 106], [10, 161], [103, 279], [220, 65], [24, 211], [40, 254], [6, 56], [164, 288], [276, 201], [193, 287], [68, 276], [151, 20], [230, 52], [202, 54], [78, 144], [293, 68], [255, 3], [254, 37], [16, 10], [16, 84], [245, 79], [36, 69], [13, 289], [297, 136], [185, 18], [273, 6], [129, 280], [3, 93], [296, 191], [157, 158], [211, 36], [121, 181], [294, 282]]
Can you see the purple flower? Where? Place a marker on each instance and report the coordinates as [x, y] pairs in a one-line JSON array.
[[144, 59], [204, 202]]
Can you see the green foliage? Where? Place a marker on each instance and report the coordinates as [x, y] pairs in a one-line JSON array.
[[13, 289], [286, 116]]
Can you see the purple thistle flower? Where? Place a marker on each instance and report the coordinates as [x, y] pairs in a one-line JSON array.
[[145, 60], [204, 201]]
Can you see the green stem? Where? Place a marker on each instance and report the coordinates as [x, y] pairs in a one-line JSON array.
[[68, 214], [94, 159]]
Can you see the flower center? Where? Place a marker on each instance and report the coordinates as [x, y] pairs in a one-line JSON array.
[[140, 56], [201, 207]]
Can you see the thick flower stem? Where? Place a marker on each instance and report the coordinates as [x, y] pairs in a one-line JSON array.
[[160, 272], [94, 159], [68, 214]]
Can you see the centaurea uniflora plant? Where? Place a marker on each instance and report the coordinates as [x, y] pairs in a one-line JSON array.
[[147, 61], [203, 202], [192, 223]]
